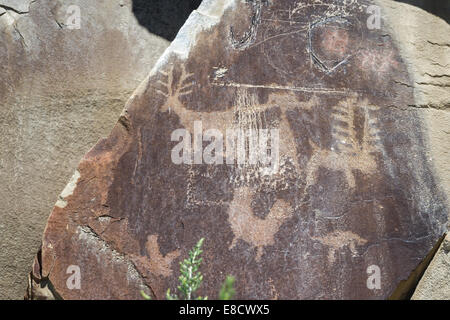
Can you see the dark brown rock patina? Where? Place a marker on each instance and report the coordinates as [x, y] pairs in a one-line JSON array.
[[354, 188]]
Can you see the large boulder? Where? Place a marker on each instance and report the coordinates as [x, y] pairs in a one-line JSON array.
[[61, 89], [349, 204]]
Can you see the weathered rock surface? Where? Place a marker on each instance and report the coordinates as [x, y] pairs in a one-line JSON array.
[[357, 187], [435, 283], [61, 90], [424, 43]]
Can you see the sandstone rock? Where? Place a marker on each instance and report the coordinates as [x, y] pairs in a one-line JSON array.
[[352, 208], [424, 44], [61, 90], [18, 6], [435, 283]]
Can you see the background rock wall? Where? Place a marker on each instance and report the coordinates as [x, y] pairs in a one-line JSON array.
[[61, 90]]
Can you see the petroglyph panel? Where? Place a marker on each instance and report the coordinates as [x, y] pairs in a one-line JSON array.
[[354, 186]]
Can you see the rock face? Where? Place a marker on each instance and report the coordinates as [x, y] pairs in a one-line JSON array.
[[62, 89], [348, 205], [435, 283]]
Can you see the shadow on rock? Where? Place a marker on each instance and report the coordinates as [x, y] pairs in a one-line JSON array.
[[162, 17]]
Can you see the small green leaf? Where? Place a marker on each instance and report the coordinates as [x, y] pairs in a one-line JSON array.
[[191, 278], [145, 296], [227, 291], [170, 297]]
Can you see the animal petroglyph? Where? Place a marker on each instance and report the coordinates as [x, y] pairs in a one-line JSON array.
[[246, 113], [338, 240], [176, 89], [156, 263], [252, 229]]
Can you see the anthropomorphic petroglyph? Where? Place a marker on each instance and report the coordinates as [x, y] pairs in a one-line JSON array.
[[352, 150]]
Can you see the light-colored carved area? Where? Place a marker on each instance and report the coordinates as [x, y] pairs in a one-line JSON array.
[[182, 87], [338, 240], [156, 263], [338, 9], [350, 154], [246, 114], [375, 64], [251, 229], [173, 96], [249, 116], [273, 290]]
